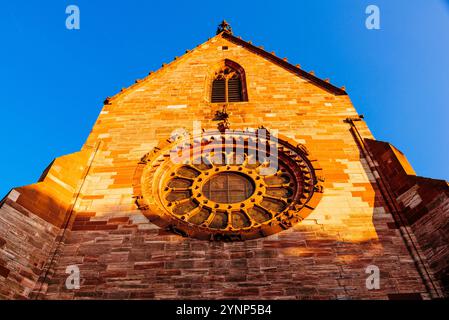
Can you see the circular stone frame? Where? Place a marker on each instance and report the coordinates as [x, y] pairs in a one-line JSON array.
[[170, 194]]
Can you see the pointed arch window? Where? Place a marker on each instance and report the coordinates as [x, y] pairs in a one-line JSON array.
[[229, 84]]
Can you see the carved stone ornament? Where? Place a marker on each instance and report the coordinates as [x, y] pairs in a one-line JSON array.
[[227, 186], [224, 27]]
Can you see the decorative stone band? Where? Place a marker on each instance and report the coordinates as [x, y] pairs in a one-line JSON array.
[[227, 186]]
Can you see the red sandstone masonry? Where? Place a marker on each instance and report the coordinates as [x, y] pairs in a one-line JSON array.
[[123, 256], [425, 206], [325, 256], [25, 244]]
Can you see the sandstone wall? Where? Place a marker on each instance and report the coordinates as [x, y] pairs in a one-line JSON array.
[[122, 255], [424, 205], [31, 218]]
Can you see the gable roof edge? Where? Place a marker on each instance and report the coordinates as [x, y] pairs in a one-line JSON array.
[[138, 82], [286, 65], [269, 56]]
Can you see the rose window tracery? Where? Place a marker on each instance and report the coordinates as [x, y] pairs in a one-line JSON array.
[[222, 187]]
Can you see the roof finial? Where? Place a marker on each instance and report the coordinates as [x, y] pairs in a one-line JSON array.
[[224, 27]]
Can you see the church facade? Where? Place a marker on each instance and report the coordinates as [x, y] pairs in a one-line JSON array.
[[229, 173]]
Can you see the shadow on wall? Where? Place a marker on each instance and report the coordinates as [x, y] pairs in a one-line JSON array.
[[323, 257], [30, 221], [127, 257], [422, 204]]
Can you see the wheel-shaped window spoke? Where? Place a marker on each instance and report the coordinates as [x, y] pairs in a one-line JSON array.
[[221, 193]]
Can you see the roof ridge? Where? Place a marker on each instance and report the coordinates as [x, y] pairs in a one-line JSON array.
[[258, 50], [284, 63]]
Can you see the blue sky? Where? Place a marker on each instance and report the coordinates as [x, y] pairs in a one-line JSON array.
[[53, 80]]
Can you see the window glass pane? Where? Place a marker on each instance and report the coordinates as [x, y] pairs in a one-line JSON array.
[[234, 90], [219, 90]]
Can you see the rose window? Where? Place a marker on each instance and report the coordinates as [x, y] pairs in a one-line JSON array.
[[222, 187]]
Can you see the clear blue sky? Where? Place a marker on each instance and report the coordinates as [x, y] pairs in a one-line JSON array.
[[53, 81]]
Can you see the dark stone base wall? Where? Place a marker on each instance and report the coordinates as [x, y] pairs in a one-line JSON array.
[[130, 258], [26, 244], [424, 205]]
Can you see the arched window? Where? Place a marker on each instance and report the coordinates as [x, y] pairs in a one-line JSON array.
[[229, 84]]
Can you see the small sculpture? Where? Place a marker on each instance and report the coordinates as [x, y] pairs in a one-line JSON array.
[[223, 117], [224, 27]]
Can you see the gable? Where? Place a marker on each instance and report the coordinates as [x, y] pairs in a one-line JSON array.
[[199, 64], [284, 64]]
